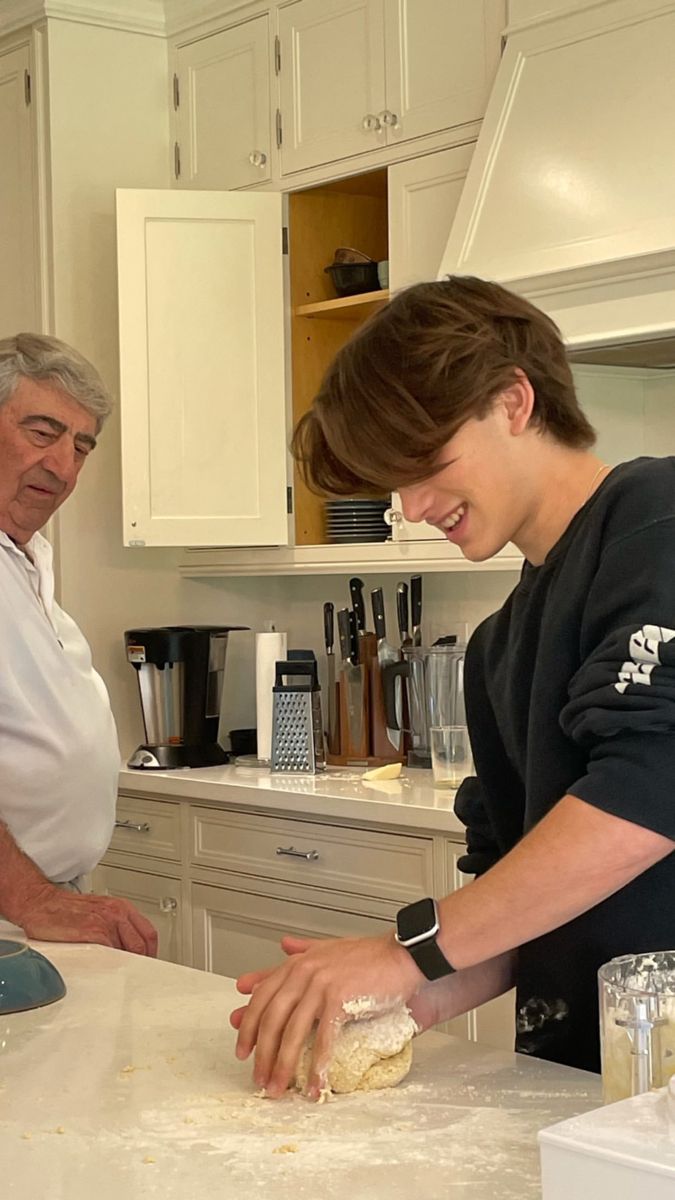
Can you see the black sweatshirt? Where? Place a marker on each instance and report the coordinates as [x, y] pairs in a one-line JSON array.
[[570, 688]]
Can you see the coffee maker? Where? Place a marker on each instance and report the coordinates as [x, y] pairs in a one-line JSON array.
[[180, 671]]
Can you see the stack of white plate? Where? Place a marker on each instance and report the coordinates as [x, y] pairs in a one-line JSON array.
[[356, 521]]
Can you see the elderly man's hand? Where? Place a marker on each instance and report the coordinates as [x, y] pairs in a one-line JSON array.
[[53, 915]]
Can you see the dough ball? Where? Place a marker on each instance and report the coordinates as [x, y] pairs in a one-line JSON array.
[[371, 1053]]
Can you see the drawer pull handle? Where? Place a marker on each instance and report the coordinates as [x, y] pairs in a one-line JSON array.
[[168, 904], [143, 827], [309, 855]]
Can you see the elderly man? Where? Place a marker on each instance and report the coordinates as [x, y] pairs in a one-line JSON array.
[[59, 756]]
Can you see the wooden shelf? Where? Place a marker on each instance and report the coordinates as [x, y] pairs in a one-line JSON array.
[[345, 308]]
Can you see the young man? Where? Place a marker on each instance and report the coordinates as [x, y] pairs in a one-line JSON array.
[[459, 395]]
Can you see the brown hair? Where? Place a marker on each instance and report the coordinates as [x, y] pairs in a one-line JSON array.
[[437, 355]]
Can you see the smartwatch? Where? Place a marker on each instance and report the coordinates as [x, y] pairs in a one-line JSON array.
[[417, 927]]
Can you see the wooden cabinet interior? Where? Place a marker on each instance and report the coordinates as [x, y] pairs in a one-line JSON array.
[[349, 212]]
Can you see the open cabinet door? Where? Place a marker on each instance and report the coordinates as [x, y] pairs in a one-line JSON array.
[[202, 368]]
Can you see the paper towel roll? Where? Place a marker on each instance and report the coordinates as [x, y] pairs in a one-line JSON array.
[[270, 648]]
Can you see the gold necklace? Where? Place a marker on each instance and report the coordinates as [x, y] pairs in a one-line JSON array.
[[601, 468]]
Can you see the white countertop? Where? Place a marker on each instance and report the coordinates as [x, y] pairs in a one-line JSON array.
[[129, 1088], [411, 801]]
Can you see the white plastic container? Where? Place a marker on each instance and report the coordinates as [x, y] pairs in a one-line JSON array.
[[624, 1151]]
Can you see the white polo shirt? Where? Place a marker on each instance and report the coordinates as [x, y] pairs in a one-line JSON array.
[[59, 755]]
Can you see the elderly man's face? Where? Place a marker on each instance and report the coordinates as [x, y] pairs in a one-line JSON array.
[[45, 437]]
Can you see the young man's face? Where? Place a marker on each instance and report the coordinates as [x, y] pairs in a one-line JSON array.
[[45, 436], [478, 498]]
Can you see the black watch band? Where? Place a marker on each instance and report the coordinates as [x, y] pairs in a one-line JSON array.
[[430, 959]]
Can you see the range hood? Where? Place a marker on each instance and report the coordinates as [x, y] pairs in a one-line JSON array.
[[570, 197]]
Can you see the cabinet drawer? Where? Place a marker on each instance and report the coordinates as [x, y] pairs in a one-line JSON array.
[[234, 932], [156, 896], [357, 861], [149, 827]]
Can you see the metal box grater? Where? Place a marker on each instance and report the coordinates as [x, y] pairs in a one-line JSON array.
[[297, 728]]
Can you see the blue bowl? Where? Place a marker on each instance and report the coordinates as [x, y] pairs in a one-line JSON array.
[[27, 978]]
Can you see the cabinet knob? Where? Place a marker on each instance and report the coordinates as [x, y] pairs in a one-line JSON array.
[[257, 158], [387, 117], [168, 904], [392, 516], [371, 123]]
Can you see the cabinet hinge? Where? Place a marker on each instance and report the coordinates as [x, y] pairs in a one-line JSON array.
[[289, 500], [277, 55], [176, 160], [27, 87], [279, 132], [284, 239], [176, 91]]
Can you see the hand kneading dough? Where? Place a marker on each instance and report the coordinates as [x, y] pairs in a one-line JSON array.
[[375, 1052]]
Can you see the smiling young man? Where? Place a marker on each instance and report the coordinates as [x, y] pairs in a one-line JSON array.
[[59, 757], [459, 395]]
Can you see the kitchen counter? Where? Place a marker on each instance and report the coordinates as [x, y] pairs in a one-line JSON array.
[[129, 1087], [411, 801]]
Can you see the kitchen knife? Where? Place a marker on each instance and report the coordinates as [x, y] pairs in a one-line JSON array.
[[402, 613], [356, 587], [353, 682], [416, 609], [386, 653], [329, 639]]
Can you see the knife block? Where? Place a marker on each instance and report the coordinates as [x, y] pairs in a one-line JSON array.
[[375, 749]]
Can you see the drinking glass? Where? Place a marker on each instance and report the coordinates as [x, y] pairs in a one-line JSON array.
[[451, 759]]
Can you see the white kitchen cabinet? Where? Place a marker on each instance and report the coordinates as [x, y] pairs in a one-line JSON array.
[[222, 106], [441, 60], [158, 897], [19, 308], [331, 80], [493, 1023], [237, 931], [202, 368], [423, 197], [358, 75]]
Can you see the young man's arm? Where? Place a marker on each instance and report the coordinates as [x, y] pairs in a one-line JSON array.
[[48, 913], [557, 872]]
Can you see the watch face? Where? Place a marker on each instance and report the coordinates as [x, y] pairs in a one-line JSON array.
[[416, 919]]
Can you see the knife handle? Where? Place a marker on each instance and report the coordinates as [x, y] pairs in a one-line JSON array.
[[356, 587], [328, 626], [344, 633], [354, 654], [377, 597], [416, 600], [402, 610]]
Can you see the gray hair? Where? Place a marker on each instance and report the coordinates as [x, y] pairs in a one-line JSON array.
[[48, 360]]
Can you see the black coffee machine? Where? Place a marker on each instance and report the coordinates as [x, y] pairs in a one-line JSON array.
[[180, 671]]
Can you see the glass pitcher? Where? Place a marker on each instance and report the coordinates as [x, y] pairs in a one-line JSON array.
[[637, 1023], [434, 684]]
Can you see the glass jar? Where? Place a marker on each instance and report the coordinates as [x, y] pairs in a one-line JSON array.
[[637, 1023]]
